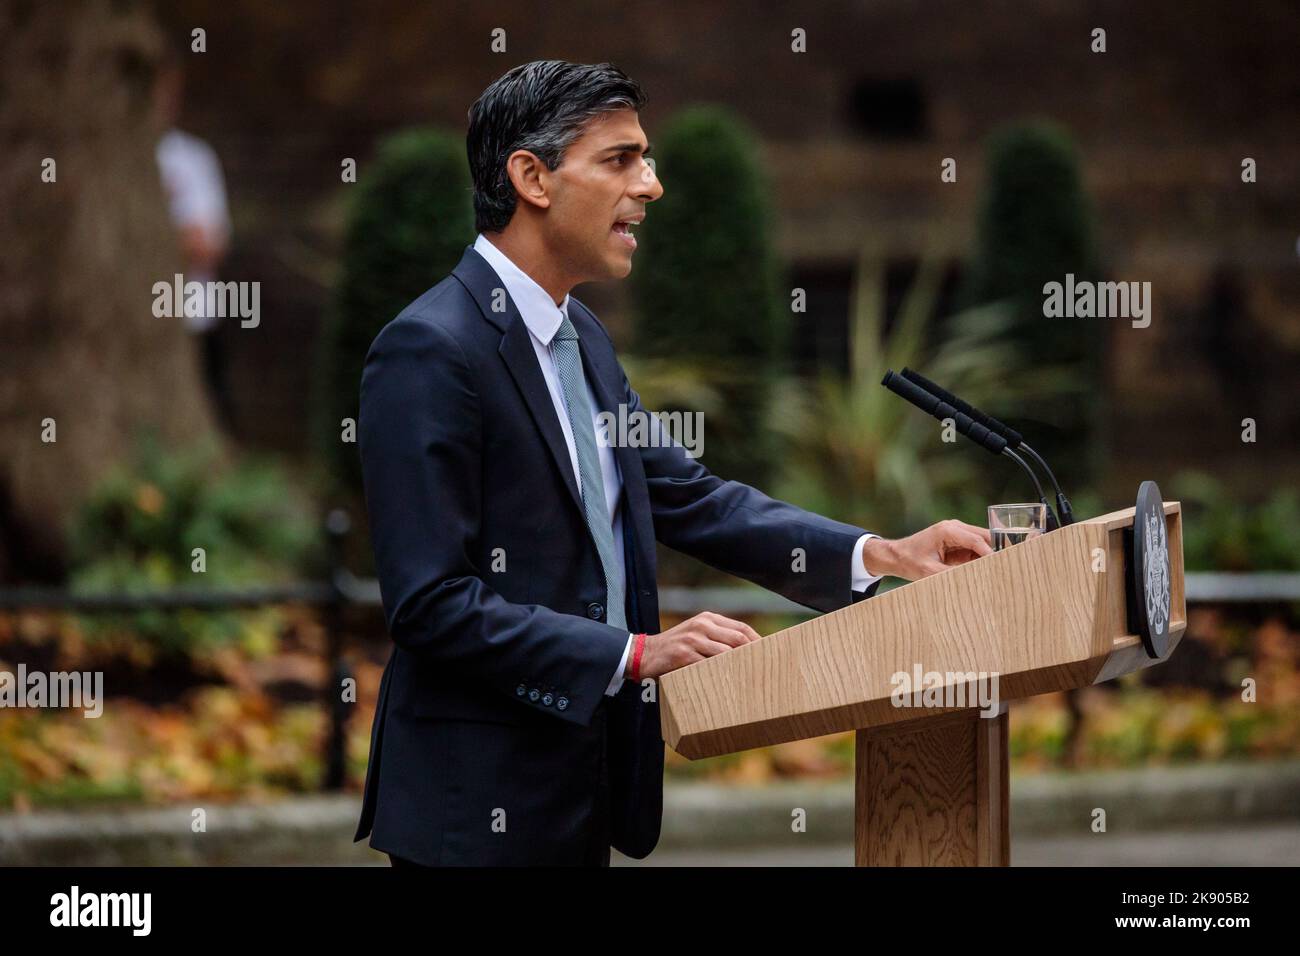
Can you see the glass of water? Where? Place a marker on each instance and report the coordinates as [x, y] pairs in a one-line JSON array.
[[1011, 524]]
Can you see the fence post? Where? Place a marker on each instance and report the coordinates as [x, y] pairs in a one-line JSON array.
[[336, 528]]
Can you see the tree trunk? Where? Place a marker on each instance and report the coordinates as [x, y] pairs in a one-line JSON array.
[[79, 344]]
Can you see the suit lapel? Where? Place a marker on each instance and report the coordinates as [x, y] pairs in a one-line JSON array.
[[521, 359], [602, 371], [517, 352]]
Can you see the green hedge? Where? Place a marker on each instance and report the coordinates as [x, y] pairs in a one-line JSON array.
[[409, 222]]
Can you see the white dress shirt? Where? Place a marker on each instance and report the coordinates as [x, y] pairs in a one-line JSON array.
[[196, 196], [543, 317]]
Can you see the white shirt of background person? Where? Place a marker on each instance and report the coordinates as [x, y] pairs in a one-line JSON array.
[[196, 197]]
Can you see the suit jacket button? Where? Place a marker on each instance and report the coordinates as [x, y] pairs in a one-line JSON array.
[[595, 611], [547, 699], [534, 694], [562, 703], [521, 690]]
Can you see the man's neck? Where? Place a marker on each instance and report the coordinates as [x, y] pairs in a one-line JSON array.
[[529, 255]]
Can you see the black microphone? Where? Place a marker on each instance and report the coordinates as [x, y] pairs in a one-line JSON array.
[[981, 434], [1013, 437], [932, 405]]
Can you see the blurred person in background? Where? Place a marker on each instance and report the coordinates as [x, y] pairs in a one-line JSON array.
[[196, 197]]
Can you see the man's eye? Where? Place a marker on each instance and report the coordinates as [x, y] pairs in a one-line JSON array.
[[618, 158]]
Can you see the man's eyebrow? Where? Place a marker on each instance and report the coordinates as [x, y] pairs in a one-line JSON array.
[[628, 148]]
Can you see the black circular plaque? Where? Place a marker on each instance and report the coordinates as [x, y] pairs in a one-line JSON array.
[[1151, 570]]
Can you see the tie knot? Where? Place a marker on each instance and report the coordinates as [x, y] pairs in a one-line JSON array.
[[567, 331]]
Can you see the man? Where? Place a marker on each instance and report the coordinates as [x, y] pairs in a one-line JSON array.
[[517, 721], [196, 201]]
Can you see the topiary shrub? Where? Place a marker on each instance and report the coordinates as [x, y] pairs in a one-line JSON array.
[[705, 281], [1035, 225], [1221, 532], [408, 224]]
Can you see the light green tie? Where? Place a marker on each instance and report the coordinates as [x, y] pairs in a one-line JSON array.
[[591, 481]]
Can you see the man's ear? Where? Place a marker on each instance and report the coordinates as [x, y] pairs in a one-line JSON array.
[[526, 173]]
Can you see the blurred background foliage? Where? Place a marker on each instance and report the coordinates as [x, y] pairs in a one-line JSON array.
[[706, 286], [219, 743], [712, 334], [1223, 533], [857, 451], [1035, 225], [409, 219], [139, 527]]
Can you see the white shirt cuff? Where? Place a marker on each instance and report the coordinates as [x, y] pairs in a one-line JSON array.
[[862, 579], [617, 682]]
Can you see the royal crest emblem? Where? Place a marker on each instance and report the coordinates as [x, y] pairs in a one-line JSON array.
[[1157, 571], [1149, 576]]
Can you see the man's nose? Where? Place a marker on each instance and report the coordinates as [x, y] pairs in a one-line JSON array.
[[648, 188]]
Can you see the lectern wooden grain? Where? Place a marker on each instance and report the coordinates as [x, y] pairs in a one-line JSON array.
[[1049, 614]]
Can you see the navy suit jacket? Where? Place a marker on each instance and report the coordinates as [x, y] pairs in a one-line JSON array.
[[493, 739]]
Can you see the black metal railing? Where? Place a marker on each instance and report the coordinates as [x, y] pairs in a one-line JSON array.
[[343, 589]]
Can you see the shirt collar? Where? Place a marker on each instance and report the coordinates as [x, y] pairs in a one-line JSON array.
[[535, 305]]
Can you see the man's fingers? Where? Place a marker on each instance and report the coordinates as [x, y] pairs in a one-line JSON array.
[[706, 647], [723, 634], [969, 537], [749, 633]]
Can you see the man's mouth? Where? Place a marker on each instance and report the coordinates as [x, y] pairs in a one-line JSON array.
[[623, 229]]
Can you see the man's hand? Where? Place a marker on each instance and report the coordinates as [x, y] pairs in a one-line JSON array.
[[201, 248], [702, 636], [937, 548]]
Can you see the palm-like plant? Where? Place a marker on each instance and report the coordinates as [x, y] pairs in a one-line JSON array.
[[685, 384], [857, 452]]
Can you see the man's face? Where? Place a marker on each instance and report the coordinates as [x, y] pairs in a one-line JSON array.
[[603, 182]]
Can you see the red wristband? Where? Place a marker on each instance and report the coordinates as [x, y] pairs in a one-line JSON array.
[[636, 657]]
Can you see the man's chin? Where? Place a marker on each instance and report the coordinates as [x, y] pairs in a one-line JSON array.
[[620, 268]]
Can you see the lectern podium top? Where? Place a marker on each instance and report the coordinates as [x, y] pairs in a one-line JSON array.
[[1046, 615]]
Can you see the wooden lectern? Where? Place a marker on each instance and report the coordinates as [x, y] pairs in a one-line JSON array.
[[1052, 613]]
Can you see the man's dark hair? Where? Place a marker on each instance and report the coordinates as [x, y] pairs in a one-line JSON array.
[[541, 107]]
